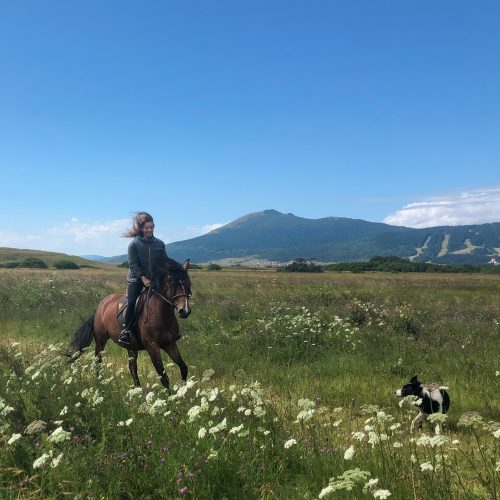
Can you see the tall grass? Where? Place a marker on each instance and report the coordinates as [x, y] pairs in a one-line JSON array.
[[291, 390]]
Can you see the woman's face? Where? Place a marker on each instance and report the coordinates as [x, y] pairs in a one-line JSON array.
[[148, 229]]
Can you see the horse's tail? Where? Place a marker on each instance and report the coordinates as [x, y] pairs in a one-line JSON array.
[[82, 338]]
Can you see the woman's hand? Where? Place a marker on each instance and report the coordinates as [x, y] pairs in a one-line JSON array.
[[145, 281]]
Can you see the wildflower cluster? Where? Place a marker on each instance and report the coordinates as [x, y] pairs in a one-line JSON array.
[[308, 329]]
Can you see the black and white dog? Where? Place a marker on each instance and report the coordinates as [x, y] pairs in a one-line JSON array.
[[433, 399]]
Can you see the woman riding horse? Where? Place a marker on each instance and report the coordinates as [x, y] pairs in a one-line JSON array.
[[145, 253], [168, 290]]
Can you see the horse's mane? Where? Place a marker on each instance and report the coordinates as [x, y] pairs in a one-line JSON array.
[[168, 273]]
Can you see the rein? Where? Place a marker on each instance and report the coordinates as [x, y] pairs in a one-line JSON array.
[[171, 301]]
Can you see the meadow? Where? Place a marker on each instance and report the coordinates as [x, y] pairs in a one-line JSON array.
[[290, 391]]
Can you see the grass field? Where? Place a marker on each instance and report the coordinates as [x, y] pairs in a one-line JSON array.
[[290, 395]]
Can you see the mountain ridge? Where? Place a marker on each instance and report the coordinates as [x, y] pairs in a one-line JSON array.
[[273, 236], [270, 236]]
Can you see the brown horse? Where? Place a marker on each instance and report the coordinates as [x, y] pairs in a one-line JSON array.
[[157, 326]]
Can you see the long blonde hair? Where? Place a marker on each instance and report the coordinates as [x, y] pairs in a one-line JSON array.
[[139, 220]]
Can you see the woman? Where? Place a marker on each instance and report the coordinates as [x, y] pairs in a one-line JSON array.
[[145, 254]]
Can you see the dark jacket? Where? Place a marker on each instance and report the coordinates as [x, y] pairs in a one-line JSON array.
[[144, 256]]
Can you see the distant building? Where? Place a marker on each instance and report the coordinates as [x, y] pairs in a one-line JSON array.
[[494, 262]]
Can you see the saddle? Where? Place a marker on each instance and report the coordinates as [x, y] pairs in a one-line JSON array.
[[121, 307]]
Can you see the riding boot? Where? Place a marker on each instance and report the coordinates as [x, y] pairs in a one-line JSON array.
[[133, 291], [125, 335], [127, 325]]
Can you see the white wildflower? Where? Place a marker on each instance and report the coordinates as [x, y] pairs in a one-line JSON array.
[[306, 404], [14, 438], [381, 494], [290, 443], [207, 375], [349, 453], [438, 441], [304, 416], [63, 411], [496, 434], [234, 430], [202, 433], [213, 394], [259, 412], [41, 461], [370, 485], [373, 438], [195, 411], [437, 418], [219, 427], [424, 440], [157, 407], [126, 423], [358, 436], [55, 461], [59, 435], [426, 466], [397, 444], [326, 491], [133, 393]]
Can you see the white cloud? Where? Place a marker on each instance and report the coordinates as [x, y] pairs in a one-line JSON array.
[[77, 237], [83, 232], [211, 227], [74, 237], [194, 231], [472, 207]]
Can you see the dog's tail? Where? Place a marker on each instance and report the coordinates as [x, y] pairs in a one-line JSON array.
[[446, 401]]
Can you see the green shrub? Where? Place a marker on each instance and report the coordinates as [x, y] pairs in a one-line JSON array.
[[213, 267], [34, 263], [11, 265], [124, 264], [300, 265], [66, 264]]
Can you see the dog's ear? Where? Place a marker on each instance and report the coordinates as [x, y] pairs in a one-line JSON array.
[[414, 380]]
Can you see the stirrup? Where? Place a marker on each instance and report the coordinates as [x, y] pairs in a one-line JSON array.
[[125, 336]]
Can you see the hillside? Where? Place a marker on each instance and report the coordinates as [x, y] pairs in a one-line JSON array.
[[16, 254], [274, 236]]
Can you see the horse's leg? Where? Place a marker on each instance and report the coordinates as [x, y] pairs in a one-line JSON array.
[[155, 355], [100, 344], [132, 365], [173, 351]]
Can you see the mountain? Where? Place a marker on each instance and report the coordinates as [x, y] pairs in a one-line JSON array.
[[274, 236], [117, 259], [17, 254]]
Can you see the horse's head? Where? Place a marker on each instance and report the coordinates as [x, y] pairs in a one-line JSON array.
[[175, 285]]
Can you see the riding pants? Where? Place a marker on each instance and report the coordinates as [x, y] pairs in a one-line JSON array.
[[133, 291]]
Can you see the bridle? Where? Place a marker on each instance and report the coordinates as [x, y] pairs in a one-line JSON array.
[[171, 302]]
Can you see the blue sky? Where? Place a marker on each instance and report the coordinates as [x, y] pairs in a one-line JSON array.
[[203, 111]]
